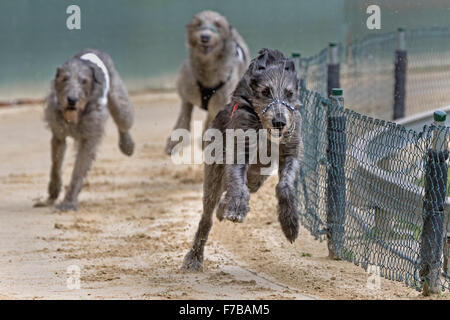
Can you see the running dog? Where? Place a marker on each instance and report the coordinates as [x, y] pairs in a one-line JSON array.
[[267, 97], [82, 92], [218, 57]]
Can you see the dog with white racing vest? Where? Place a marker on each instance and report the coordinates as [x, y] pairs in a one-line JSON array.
[[85, 90]]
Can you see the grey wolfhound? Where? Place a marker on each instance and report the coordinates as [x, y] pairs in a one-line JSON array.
[[82, 92], [267, 97], [218, 57]]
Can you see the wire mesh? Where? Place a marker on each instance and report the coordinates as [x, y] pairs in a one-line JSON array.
[[367, 72], [380, 188], [428, 73]]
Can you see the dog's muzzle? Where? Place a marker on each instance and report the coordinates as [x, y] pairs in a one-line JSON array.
[[210, 27], [284, 103]]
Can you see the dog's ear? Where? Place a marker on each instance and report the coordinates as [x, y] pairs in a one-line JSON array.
[[262, 52], [189, 25], [194, 22], [289, 65], [268, 57], [261, 61], [58, 72]]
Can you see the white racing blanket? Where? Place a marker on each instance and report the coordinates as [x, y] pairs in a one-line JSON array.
[[92, 57]]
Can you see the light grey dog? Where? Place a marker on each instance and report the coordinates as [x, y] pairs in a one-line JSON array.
[[218, 57], [267, 97], [82, 92]]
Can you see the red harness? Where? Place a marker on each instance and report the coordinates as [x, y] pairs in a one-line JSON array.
[[234, 109]]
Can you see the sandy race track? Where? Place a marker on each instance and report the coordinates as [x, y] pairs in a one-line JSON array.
[[136, 221]]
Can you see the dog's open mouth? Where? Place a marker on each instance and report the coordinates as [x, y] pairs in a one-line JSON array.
[[206, 48]]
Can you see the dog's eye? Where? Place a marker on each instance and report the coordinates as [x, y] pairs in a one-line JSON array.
[[84, 81], [289, 94], [217, 24], [65, 78], [266, 92]]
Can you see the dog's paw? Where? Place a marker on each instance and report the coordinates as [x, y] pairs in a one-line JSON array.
[[289, 225], [237, 207], [126, 143], [192, 262], [170, 145], [45, 203], [66, 206], [287, 211]]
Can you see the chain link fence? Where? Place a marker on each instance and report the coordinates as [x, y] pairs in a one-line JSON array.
[[367, 72], [376, 192]]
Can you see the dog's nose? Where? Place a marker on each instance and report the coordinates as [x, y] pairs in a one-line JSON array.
[[204, 38], [278, 123], [71, 101]]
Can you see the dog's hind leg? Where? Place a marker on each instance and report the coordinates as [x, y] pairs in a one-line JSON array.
[[183, 122], [122, 111], [85, 157], [287, 196], [212, 189], [58, 147]]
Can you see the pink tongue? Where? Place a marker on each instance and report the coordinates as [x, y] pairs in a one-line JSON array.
[[71, 116]]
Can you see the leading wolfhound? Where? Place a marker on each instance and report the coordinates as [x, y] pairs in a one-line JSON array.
[[218, 57], [84, 89], [267, 97]]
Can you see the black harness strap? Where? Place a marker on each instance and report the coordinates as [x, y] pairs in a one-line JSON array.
[[207, 93]]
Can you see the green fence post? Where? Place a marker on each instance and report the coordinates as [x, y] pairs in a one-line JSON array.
[[434, 209], [333, 71], [296, 58], [336, 175], [446, 255], [298, 62], [401, 62]]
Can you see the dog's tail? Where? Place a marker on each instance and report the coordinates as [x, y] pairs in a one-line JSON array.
[[288, 212]]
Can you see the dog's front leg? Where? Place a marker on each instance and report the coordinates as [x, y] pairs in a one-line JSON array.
[[183, 122], [237, 196], [287, 196], [83, 162], [58, 147], [122, 112]]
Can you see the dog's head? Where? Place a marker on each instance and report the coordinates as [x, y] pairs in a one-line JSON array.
[[270, 86], [208, 32], [75, 83]]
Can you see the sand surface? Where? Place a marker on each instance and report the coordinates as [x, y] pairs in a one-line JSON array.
[[136, 220]]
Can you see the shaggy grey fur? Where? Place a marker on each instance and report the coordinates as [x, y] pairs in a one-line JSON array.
[[270, 76], [73, 109], [210, 62]]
